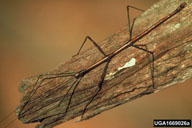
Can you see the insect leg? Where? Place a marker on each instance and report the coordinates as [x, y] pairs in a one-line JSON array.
[[75, 84], [49, 78], [38, 83], [130, 27], [99, 87], [95, 44], [152, 65]]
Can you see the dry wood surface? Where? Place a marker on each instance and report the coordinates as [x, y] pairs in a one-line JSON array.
[[171, 44]]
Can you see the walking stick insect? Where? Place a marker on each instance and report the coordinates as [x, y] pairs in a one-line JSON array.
[[107, 59]]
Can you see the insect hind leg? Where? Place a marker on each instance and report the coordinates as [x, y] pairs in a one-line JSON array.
[[75, 84]]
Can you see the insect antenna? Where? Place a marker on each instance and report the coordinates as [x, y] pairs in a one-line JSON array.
[[6, 117]]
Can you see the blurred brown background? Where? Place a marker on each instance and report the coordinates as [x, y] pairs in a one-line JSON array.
[[36, 36]]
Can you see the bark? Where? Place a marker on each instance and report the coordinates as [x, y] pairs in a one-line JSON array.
[[171, 44]]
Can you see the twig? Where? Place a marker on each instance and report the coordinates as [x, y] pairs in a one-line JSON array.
[[171, 43]]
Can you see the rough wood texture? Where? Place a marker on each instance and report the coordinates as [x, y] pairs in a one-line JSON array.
[[171, 43]]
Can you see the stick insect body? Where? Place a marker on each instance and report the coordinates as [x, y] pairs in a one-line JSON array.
[[107, 58]]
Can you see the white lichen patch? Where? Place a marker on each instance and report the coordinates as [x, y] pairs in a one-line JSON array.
[[130, 63]]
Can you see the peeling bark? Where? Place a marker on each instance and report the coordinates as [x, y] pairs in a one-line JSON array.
[[171, 43]]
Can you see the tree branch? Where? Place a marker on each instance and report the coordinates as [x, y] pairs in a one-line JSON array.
[[171, 43]]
